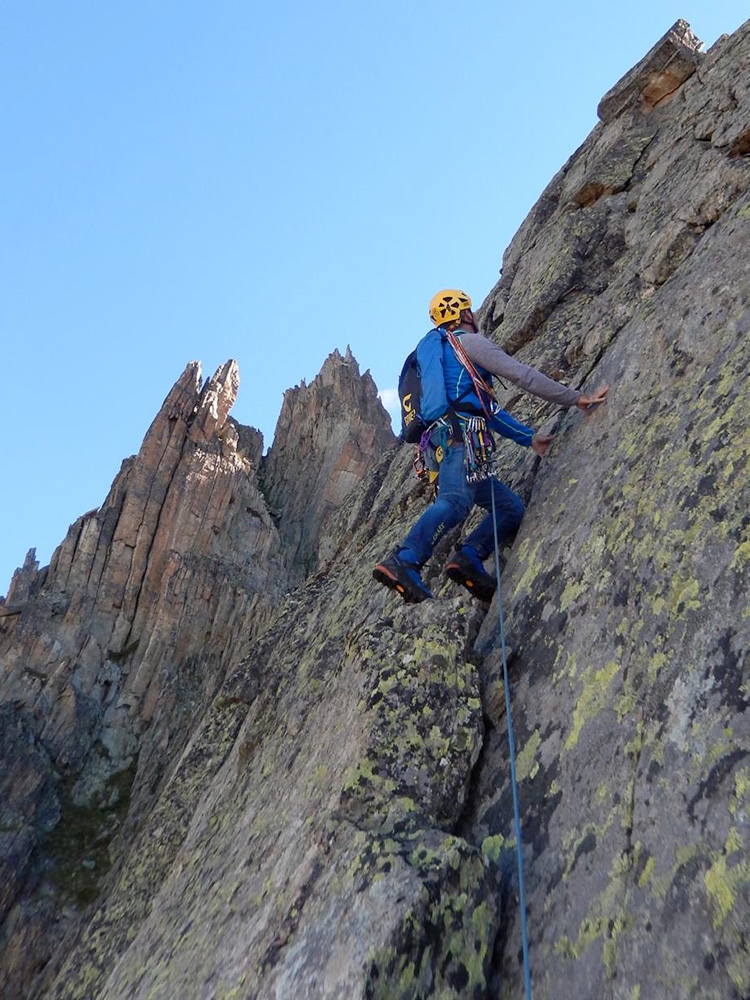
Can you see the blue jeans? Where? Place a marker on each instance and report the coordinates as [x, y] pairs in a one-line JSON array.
[[455, 499]]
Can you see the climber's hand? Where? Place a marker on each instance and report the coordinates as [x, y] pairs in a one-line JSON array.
[[541, 442], [588, 402]]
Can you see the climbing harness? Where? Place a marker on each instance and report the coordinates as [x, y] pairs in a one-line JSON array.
[[430, 450], [512, 755], [479, 446]]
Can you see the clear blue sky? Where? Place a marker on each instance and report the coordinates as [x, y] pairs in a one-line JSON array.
[[262, 181]]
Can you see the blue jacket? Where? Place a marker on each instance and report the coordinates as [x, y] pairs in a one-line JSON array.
[[460, 390]]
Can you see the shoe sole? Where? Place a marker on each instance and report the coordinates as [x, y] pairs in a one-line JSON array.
[[384, 576], [478, 590]]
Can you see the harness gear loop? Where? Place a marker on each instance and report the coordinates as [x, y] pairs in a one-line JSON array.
[[512, 756]]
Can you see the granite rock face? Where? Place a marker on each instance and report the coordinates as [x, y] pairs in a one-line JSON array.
[[626, 593], [321, 807]]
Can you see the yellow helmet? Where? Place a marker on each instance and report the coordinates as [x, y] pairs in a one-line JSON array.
[[448, 305]]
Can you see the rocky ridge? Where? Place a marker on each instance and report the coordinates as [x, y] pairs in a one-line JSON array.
[[336, 820], [112, 653]]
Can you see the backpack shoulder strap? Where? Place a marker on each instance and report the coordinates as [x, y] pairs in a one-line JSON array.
[[483, 390]]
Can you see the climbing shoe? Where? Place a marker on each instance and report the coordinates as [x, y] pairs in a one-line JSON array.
[[465, 567], [404, 579]]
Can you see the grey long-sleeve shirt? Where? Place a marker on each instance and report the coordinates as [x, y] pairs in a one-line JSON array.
[[484, 353]]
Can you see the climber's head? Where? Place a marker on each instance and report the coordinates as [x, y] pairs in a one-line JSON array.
[[451, 308]]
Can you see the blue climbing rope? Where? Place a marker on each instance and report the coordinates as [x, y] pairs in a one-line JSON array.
[[512, 752]]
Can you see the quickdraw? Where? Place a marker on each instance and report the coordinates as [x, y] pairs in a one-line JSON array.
[[478, 448]]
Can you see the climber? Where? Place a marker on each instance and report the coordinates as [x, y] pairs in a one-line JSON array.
[[455, 444]]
